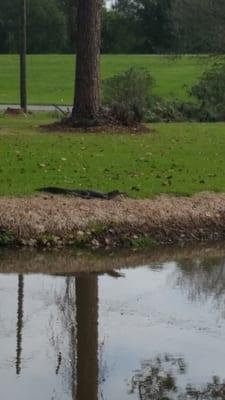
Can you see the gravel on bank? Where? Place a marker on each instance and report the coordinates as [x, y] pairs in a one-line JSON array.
[[57, 220]]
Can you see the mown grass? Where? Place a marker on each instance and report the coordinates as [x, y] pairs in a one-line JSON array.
[[51, 77], [174, 158]]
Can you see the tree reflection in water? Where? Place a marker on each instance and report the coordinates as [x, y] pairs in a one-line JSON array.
[[203, 279], [65, 333], [19, 324], [79, 316], [87, 337], [157, 380]]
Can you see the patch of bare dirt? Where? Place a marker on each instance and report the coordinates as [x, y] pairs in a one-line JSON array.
[[107, 122], [58, 220], [105, 128], [15, 112]]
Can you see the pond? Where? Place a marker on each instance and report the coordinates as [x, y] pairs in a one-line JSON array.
[[150, 327]]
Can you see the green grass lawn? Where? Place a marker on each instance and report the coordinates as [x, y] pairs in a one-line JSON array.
[[174, 158], [51, 77]]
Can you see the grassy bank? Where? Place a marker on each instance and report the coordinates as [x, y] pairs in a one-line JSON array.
[[174, 158], [50, 77]]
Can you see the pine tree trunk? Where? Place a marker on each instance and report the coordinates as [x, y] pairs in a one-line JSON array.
[[87, 83]]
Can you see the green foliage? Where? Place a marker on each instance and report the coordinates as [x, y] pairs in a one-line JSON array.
[[130, 26], [46, 27], [52, 26], [117, 35], [128, 94], [148, 24], [6, 237], [143, 242], [161, 110], [210, 92], [9, 26], [47, 239], [199, 26], [96, 228]]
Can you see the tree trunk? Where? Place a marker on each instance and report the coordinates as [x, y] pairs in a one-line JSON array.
[[87, 83]]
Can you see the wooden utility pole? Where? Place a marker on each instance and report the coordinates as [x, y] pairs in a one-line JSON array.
[[23, 51]]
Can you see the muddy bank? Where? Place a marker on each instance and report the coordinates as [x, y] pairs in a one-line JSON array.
[[58, 221]]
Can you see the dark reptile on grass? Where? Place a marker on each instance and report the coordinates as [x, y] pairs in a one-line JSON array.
[[83, 193]]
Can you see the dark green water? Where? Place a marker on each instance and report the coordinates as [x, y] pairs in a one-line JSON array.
[[154, 331]]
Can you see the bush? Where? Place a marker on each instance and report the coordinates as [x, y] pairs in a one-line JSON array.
[[128, 94], [176, 111], [130, 98], [210, 92]]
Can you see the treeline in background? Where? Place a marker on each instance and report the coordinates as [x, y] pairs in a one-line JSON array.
[[128, 26]]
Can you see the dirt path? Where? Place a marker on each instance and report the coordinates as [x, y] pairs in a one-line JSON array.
[[56, 220]]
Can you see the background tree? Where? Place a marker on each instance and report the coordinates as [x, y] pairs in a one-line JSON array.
[[149, 22], [129, 26], [47, 25], [117, 33], [9, 26], [199, 26], [69, 9]]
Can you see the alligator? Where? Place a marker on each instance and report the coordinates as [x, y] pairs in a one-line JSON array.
[[83, 193]]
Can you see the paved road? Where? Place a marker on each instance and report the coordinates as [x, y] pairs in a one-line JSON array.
[[37, 107]]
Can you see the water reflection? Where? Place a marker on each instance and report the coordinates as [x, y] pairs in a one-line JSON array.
[[19, 327], [79, 316], [153, 332], [158, 379], [203, 279], [87, 337]]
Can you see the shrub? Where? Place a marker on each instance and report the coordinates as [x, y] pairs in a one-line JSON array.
[[176, 111], [6, 237], [210, 92], [130, 98], [128, 94]]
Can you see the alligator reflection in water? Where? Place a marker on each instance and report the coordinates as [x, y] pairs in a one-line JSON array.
[[83, 336]]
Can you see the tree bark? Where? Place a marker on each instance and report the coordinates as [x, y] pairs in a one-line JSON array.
[[87, 82]]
